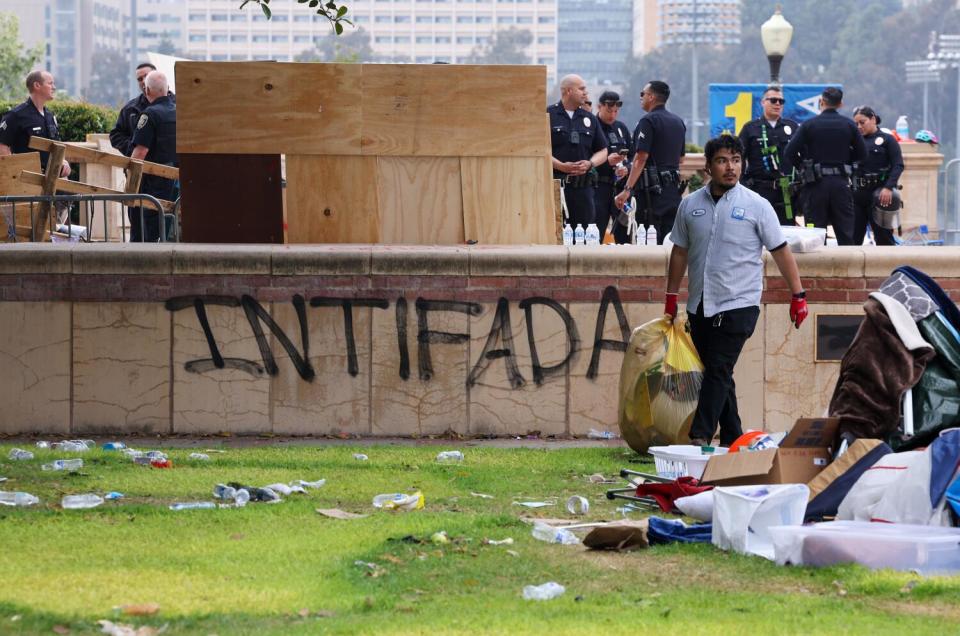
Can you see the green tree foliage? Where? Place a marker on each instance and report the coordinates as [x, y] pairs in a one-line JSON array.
[[15, 61], [352, 48], [335, 13], [506, 46], [109, 84], [76, 119]]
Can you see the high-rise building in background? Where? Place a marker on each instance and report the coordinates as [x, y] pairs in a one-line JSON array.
[[711, 22], [595, 40]]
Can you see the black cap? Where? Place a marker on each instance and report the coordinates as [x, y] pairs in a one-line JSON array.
[[609, 96]]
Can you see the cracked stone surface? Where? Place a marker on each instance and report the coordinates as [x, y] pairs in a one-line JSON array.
[[334, 401], [228, 399], [121, 367], [35, 358]]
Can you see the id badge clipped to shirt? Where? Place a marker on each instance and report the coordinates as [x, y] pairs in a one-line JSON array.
[[575, 137]]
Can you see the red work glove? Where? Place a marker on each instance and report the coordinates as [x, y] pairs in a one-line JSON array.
[[798, 309], [670, 304]]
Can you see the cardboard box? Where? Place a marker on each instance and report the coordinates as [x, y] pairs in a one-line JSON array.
[[801, 456]]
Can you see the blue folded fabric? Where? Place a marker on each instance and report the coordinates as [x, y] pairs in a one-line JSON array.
[[663, 531]]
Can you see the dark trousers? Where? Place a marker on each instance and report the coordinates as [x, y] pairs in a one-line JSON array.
[[862, 215], [772, 192], [580, 206], [662, 214], [719, 340], [830, 202], [149, 230], [605, 208]]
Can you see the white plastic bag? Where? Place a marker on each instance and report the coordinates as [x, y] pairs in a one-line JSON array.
[[743, 515], [698, 506], [862, 498]]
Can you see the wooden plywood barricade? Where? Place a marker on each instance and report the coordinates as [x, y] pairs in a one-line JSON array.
[[385, 153]]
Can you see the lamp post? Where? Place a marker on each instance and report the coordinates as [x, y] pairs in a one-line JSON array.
[[776, 34], [945, 51], [924, 72]]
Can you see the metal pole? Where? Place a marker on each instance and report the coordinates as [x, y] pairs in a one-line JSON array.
[[694, 116], [926, 103], [134, 61], [956, 141]]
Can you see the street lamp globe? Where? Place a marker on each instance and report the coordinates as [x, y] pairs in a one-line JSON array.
[[776, 34]]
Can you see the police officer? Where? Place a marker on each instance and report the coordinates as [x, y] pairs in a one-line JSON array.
[[615, 168], [764, 140], [655, 171], [121, 137], [155, 140], [579, 148], [720, 232], [877, 178], [32, 119], [827, 149]]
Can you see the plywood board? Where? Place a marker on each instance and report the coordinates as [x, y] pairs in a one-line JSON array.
[[332, 200], [453, 110], [11, 167], [507, 200], [420, 200], [268, 108]]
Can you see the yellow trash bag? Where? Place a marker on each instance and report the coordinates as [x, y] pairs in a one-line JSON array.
[[659, 385]]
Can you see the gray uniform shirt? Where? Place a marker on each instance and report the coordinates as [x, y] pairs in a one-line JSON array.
[[724, 243]]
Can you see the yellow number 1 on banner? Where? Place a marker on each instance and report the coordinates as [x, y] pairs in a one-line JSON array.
[[741, 110]]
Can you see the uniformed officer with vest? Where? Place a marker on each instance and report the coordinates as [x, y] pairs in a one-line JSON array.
[[764, 140], [878, 177], [579, 148], [654, 179], [121, 137], [615, 169], [827, 151], [155, 140], [32, 119]]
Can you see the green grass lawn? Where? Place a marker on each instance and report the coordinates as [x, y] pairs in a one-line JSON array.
[[281, 569]]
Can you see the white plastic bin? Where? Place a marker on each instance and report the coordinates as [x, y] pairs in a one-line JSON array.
[[898, 546], [743, 515], [681, 460]]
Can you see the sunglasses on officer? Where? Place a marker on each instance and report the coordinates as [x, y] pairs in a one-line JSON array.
[[776, 100], [612, 103]]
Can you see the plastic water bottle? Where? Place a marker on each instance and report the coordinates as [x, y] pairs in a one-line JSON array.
[[18, 454], [651, 235], [597, 434], [112, 446], [903, 128], [450, 457], [579, 235], [18, 499], [155, 454], [567, 234], [203, 457], [64, 464], [193, 505], [79, 502], [43, 444], [74, 446], [222, 491], [550, 534], [543, 592], [592, 234]]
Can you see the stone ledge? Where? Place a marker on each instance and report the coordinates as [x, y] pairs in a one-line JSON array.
[[36, 258], [626, 260], [420, 260], [221, 259], [527, 260], [122, 258], [294, 260]]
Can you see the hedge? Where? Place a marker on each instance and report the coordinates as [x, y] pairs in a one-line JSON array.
[[76, 119]]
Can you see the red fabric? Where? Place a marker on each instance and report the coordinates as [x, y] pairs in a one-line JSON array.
[[665, 494]]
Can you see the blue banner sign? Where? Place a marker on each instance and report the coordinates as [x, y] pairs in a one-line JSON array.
[[733, 105]]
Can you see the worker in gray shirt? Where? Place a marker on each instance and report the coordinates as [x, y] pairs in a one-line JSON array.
[[720, 233]]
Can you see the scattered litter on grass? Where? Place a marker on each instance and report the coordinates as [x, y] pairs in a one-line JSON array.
[[336, 513], [19, 455], [439, 538], [81, 502], [309, 484], [841, 591], [42, 444], [200, 457], [193, 505], [2, 479], [399, 501], [63, 464], [265, 495], [284, 489], [545, 592], [139, 609], [60, 629], [113, 446], [507, 541], [534, 504], [214, 450], [450, 457], [513, 553], [372, 569], [360, 457], [392, 559], [18, 498], [121, 629], [113, 495], [550, 534], [481, 495], [597, 434], [75, 445], [577, 505], [618, 537], [598, 478]]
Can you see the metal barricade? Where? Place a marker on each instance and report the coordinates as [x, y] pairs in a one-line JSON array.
[[168, 222], [950, 188]]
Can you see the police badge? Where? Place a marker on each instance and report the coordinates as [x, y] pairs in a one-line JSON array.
[[142, 121]]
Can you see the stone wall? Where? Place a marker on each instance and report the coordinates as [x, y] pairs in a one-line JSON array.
[[393, 340]]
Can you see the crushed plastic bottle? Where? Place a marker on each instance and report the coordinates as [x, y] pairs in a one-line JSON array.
[[223, 491], [113, 495], [155, 454], [550, 534], [193, 505], [113, 446], [203, 457], [450, 457], [141, 460], [64, 464], [545, 592], [310, 484], [43, 444], [360, 457], [399, 501], [595, 434], [73, 446], [18, 498], [80, 502], [18, 454]]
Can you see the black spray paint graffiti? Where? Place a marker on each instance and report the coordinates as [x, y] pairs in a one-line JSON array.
[[499, 343]]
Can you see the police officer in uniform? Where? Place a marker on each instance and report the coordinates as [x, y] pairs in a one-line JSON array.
[[655, 171], [121, 137], [764, 140], [615, 169], [32, 119], [155, 140], [877, 178], [579, 148], [827, 150]]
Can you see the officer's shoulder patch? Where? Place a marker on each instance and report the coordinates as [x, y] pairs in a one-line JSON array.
[[642, 136], [787, 129], [879, 140], [55, 122], [698, 212], [3, 124], [142, 121], [586, 122]]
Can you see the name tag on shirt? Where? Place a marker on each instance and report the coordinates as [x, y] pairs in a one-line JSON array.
[[738, 214], [698, 212]]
